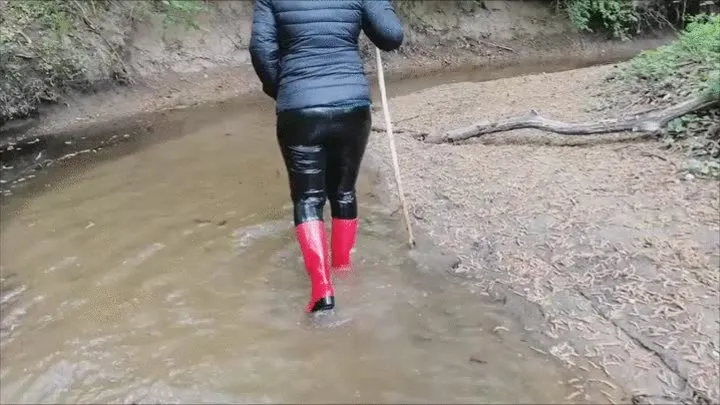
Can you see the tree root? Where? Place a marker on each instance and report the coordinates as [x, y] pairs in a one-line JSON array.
[[652, 121]]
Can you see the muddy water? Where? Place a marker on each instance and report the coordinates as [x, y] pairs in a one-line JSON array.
[[171, 275]]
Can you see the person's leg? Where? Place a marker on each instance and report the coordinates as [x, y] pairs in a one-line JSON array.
[[304, 157], [345, 154]]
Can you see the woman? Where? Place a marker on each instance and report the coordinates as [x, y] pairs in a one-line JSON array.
[[307, 57]]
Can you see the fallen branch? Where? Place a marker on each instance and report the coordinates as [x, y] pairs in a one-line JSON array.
[[376, 128], [488, 43], [647, 122]]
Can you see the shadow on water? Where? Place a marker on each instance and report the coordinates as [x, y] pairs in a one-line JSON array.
[[169, 273]]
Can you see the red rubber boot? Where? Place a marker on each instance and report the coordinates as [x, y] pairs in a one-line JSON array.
[[342, 242], [311, 237]]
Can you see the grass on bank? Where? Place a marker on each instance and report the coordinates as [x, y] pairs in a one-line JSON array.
[[37, 55], [49, 47], [686, 67], [625, 19]]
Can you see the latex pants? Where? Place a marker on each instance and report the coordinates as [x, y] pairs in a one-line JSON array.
[[323, 149]]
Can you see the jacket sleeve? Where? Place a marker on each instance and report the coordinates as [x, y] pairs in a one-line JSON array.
[[264, 52], [381, 25]]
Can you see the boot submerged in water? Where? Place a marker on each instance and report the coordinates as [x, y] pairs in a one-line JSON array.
[[311, 237], [342, 241]]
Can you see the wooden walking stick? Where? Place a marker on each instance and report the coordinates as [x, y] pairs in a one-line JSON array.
[[393, 151]]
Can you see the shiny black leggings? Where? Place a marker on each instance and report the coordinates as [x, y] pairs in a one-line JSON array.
[[323, 149]]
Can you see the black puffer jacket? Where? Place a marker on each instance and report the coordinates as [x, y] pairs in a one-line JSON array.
[[306, 52]]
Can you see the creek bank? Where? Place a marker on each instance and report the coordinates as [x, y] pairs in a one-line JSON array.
[[56, 46], [87, 124], [173, 66], [618, 253]]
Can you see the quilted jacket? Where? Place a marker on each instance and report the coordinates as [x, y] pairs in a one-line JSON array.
[[306, 53]]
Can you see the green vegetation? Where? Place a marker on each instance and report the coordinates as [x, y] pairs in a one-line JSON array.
[[617, 17], [49, 47], [624, 19], [37, 56], [688, 67], [180, 11]]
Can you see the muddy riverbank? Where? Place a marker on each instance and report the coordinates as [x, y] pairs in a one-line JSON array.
[[168, 273], [618, 250], [566, 242], [91, 50], [87, 124]]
